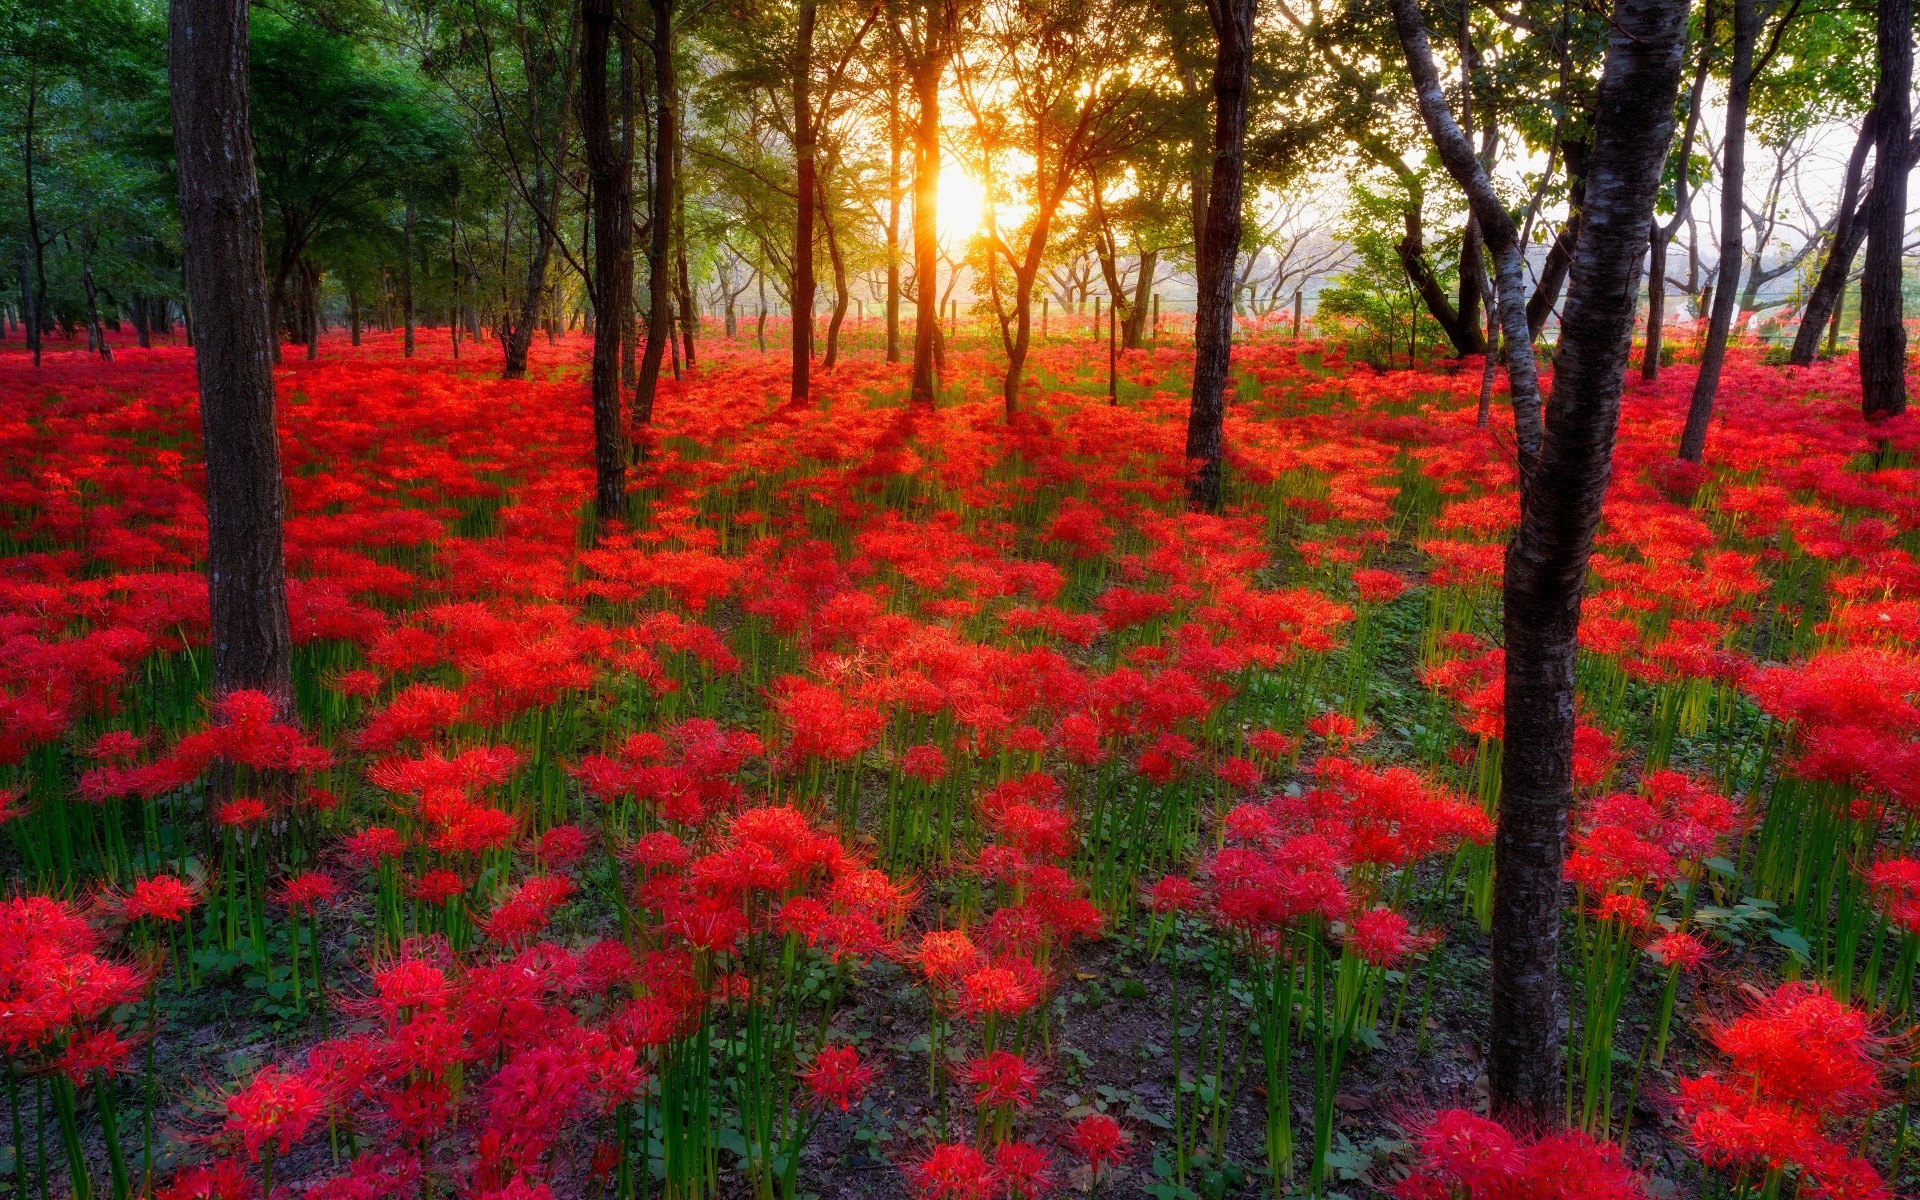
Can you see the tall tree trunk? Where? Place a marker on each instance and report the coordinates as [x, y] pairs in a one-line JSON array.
[[1849, 230], [666, 98], [928, 69], [894, 197], [840, 298], [33, 302], [1133, 330], [207, 57], [310, 301], [29, 311], [688, 308], [805, 197], [1553, 270], [1883, 335], [629, 121], [612, 279], [1218, 247], [353, 313], [406, 278], [142, 327], [1660, 238], [1463, 337], [518, 337], [96, 332], [1546, 562], [1733, 174]]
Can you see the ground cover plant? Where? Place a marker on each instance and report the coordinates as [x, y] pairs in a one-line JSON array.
[[909, 800]]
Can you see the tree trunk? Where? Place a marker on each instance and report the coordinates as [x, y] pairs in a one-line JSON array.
[[29, 312], [1218, 247], [220, 231], [1661, 237], [839, 282], [1465, 339], [1713, 356], [1546, 562], [1849, 230], [33, 301], [666, 99], [142, 328], [353, 313], [406, 279], [612, 281], [518, 337], [926, 202], [894, 197], [1553, 270], [310, 302], [629, 121], [688, 307], [806, 190], [1883, 335]]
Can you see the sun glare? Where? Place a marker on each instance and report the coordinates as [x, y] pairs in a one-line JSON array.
[[963, 206]]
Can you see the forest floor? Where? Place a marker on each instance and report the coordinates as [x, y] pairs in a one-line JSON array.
[[852, 581]]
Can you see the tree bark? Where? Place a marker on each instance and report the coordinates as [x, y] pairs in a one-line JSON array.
[[1849, 230], [805, 197], [629, 120], [1546, 562], [1464, 338], [207, 55], [1660, 238], [1713, 355], [894, 196], [1219, 245], [406, 279], [927, 70], [1494, 222], [1553, 271], [1883, 334], [517, 336], [612, 284], [839, 263], [666, 136]]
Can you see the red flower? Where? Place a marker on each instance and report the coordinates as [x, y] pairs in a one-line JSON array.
[[1022, 1170], [1174, 893], [1099, 1139], [1001, 1079], [272, 1107], [952, 1171], [159, 898], [305, 890], [837, 1078]]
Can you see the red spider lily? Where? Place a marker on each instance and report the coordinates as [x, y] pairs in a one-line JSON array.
[[222, 1179], [159, 898], [1896, 884], [1099, 1140], [1467, 1157], [1022, 1170], [1679, 949], [951, 1171], [102, 1050], [1002, 1079], [272, 1109], [374, 845], [1381, 936], [1174, 893], [837, 1078], [947, 956], [995, 991], [307, 890], [1801, 1062]]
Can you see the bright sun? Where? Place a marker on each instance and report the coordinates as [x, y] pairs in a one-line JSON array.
[[963, 205]]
